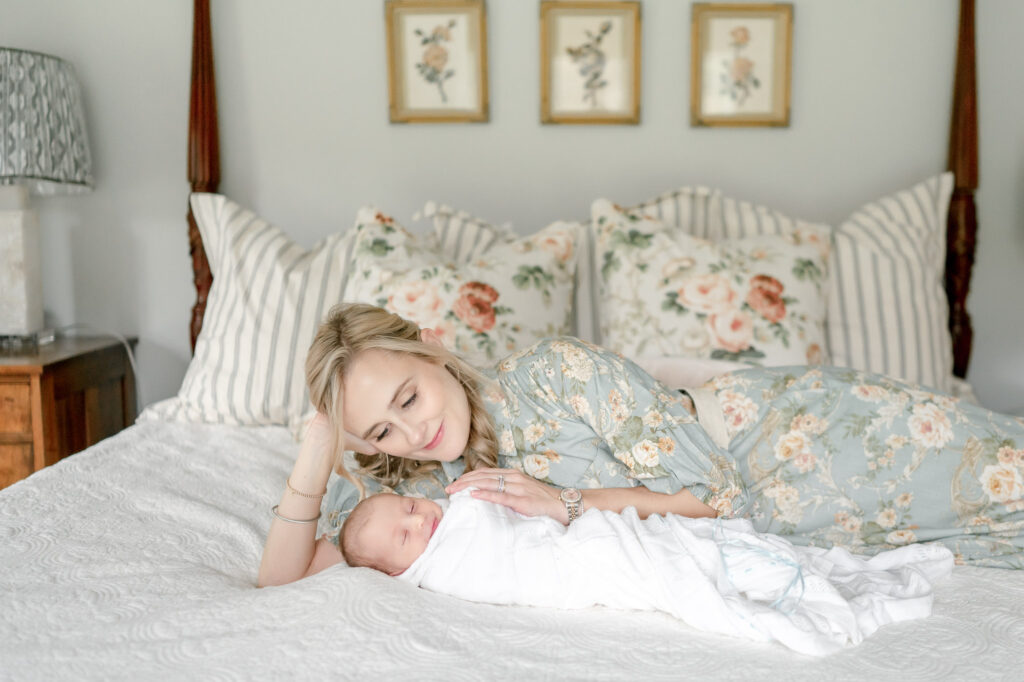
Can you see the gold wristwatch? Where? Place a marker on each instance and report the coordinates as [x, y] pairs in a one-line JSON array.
[[572, 498]]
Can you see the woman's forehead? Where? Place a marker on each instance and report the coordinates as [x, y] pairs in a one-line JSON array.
[[373, 378]]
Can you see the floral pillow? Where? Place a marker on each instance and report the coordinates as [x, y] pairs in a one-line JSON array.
[[515, 294], [759, 300]]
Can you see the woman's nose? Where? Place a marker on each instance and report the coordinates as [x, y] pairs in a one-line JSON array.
[[414, 431]]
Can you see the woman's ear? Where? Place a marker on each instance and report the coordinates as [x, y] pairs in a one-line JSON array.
[[431, 336]]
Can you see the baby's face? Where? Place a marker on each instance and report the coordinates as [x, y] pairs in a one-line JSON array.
[[397, 530]]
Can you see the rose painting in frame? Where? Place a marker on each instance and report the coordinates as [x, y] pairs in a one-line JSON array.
[[741, 64], [437, 61], [590, 62]]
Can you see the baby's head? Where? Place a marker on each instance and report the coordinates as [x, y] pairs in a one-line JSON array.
[[388, 532]]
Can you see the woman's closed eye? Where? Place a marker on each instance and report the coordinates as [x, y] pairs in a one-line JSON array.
[[386, 431]]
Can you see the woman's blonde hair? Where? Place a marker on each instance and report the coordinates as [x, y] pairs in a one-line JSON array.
[[351, 328]]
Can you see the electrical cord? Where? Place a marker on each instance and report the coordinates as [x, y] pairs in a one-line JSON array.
[[64, 332]]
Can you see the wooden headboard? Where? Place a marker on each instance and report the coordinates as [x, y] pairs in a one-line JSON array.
[[204, 173]]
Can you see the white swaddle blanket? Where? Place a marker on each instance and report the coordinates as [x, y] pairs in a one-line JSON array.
[[716, 575]]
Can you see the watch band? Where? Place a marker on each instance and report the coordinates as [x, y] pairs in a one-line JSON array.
[[572, 498]]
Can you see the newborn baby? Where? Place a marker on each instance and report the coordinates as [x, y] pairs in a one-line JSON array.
[[715, 574]]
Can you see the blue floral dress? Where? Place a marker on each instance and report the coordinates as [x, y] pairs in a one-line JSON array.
[[832, 456], [823, 455]]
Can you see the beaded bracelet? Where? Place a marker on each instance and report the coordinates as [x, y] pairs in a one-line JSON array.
[[273, 510], [288, 482]]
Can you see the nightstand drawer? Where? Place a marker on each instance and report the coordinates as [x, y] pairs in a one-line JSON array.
[[15, 408]]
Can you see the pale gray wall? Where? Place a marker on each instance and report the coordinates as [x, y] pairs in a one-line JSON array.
[[305, 141]]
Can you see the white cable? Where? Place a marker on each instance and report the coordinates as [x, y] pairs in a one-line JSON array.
[[62, 331]]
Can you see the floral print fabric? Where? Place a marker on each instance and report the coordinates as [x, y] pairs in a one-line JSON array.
[[833, 456], [516, 294], [759, 300]]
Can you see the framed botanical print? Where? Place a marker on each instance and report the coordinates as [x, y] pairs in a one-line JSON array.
[[740, 66], [590, 62], [437, 60]]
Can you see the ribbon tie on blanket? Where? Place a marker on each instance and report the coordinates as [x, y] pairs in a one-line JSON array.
[[725, 544]]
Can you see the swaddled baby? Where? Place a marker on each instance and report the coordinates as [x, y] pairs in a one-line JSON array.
[[714, 574]]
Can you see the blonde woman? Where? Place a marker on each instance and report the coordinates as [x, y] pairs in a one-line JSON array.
[[827, 455], [528, 435]]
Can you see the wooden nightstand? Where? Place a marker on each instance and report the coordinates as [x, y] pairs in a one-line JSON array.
[[59, 399]]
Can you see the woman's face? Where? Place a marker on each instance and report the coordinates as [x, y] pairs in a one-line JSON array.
[[405, 406]]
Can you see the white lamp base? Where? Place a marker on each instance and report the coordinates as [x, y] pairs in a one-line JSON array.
[[21, 285]]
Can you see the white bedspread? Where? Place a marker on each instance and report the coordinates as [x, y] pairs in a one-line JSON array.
[[135, 560], [717, 575]]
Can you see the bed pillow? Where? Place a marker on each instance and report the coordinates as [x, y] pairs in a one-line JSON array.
[[268, 296], [697, 210], [462, 237], [517, 293], [664, 292], [888, 310]]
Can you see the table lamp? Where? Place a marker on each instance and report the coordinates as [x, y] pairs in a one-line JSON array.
[[44, 150]]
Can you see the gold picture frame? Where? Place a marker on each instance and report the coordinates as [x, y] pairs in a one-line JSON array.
[[590, 62], [741, 64], [437, 61]]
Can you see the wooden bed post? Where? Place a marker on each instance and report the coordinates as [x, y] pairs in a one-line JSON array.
[[962, 227], [203, 152]]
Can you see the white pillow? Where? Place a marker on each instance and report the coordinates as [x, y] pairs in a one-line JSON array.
[[663, 292], [267, 299], [515, 294], [888, 310]]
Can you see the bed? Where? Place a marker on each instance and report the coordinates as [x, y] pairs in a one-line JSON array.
[[137, 558]]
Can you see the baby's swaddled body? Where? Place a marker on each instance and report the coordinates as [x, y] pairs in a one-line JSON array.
[[714, 574]]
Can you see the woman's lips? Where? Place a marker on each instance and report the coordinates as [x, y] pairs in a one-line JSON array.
[[437, 438]]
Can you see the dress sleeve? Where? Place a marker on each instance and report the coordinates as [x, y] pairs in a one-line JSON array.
[[636, 424]]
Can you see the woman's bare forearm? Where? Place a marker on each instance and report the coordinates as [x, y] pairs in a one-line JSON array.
[[289, 551], [647, 502]]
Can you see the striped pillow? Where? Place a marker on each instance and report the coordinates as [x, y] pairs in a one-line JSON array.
[[267, 299], [888, 310], [695, 209], [462, 237]]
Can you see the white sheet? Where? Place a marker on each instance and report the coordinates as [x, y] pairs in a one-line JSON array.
[[136, 559], [717, 575]]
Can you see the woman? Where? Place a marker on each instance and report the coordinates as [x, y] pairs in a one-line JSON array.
[[808, 454]]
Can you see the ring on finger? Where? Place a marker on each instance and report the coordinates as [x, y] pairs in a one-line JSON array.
[[501, 483]]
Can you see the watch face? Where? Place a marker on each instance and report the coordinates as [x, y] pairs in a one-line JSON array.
[[570, 495]]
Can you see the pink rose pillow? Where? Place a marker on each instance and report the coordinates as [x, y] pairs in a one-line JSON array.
[[759, 300], [515, 294]]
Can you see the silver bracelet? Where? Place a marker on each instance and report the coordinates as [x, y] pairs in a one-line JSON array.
[[273, 510]]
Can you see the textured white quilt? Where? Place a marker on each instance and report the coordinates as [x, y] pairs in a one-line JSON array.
[[136, 560]]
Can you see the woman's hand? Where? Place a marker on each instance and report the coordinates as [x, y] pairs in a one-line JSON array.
[[521, 493]]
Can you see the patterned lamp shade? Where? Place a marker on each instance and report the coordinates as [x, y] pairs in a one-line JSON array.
[[43, 143]]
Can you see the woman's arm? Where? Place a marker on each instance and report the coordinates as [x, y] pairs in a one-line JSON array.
[[531, 497], [291, 551]]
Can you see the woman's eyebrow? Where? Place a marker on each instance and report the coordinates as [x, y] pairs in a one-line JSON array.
[[394, 399]]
